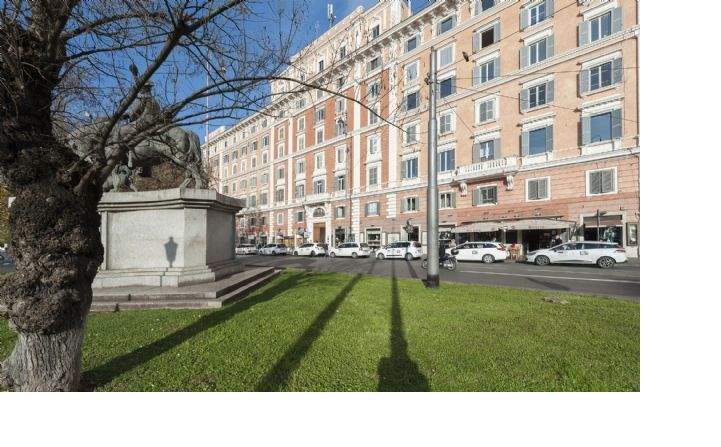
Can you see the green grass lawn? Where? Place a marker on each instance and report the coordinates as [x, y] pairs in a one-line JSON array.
[[338, 332]]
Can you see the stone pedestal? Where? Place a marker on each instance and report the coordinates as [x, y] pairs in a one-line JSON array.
[[167, 238]]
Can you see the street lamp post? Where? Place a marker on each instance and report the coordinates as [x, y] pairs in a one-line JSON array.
[[433, 276], [599, 213]]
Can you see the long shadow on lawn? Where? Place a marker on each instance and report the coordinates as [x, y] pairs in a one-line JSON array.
[[278, 376], [105, 373], [399, 372]]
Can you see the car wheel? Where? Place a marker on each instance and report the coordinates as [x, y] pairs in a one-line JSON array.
[[424, 264], [295, 253], [452, 264], [381, 256], [312, 254], [332, 254], [354, 255], [409, 257], [542, 260], [488, 259], [606, 262]]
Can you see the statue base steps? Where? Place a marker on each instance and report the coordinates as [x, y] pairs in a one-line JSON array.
[[208, 295]]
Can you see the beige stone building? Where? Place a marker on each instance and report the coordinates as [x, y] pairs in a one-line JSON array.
[[538, 128]]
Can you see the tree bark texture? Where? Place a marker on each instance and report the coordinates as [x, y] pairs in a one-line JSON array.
[[55, 233]]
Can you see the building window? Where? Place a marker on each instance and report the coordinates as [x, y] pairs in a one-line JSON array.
[[601, 76], [299, 216], [447, 87], [445, 123], [264, 179], [412, 43], [373, 64], [486, 71], [373, 145], [252, 201], [300, 190], [266, 141], [601, 182], [447, 200], [372, 209], [538, 141], [447, 160], [373, 176], [319, 133], [374, 90], [409, 204], [446, 25], [373, 115], [319, 186], [301, 124], [301, 142], [487, 195], [375, 32], [482, 5], [486, 37], [253, 162], [279, 195], [281, 151], [409, 168], [339, 212], [537, 189], [601, 26], [263, 198], [319, 161], [321, 65], [445, 56], [281, 173], [340, 183], [602, 127], [411, 133], [486, 111], [279, 219], [537, 13], [484, 150], [537, 95], [319, 116], [411, 101], [537, 51], [253, 182], [412, 71], [340, 155], [300, 167], [264, 157]]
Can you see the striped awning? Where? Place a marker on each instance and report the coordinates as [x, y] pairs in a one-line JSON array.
[[522, 224]]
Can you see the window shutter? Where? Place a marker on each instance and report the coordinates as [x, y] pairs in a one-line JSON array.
[[493, 195], [476, 196], [476, 75], [496, 148], [476, 155], [438, 28], [533, 190], [476, 42], [452, 159], [543, 189], [524, 99], [366, 209], [549, 138], [596, 183], [550, 90], [607, 181], [496, 32], [453, 21], [453, 85], [403, 169], [616, 124], [524, 57], [617, 74], [583, 81], [550, 10], [616, 20], [497, 67], [453, 199], [404, 205], [585, 130], [550, 45], [583, 33], [483, 110], [525, 143], [525, 15]]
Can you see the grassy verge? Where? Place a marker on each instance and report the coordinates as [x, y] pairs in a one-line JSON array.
[[337, 332]]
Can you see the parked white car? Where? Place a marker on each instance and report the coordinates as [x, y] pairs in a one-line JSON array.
[[486, 252], [309, 249], [603, 254], [405, 250], [352, 249], [273, 249], [246, 249]]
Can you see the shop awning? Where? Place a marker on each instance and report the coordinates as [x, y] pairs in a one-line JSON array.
[[606, 221], [523, 224]]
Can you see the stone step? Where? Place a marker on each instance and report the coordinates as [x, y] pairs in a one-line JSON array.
[[232, 291]]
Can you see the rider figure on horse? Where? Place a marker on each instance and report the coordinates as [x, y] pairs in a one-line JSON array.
[[143, 113]]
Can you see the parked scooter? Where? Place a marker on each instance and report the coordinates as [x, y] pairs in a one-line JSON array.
[[449, 262]]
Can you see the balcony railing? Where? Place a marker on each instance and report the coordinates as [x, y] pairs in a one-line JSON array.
[[488, 167]]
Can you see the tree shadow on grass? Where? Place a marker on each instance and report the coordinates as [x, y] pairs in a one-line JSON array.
[[280, 373], [399, 372], [105, 373]]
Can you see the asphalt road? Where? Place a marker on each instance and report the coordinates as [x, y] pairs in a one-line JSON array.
[[623, 281]]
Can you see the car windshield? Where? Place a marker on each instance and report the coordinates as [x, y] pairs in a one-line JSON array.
[[364, 245]]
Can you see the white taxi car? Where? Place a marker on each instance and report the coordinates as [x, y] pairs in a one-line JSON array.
[[405, 250], [603, 254], [246, 249], [309, 249], [273, 249], [486, 252], [352, 249]]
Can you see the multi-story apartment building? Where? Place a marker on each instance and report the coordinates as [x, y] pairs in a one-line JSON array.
[[537, 118]]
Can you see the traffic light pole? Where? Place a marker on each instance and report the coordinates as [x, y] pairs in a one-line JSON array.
[[433, 277]]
